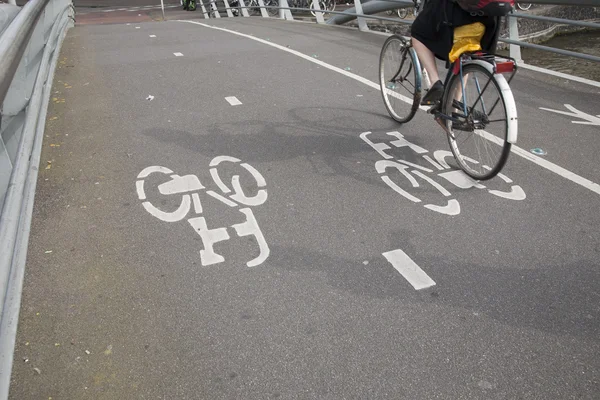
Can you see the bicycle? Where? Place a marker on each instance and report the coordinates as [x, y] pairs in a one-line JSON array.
[[272, 5], [456, 113], [327, 5], [253, 8], [324, 5], [402, 13]]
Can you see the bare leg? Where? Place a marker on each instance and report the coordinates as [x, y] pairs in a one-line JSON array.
[[458, 95], [427, 58]]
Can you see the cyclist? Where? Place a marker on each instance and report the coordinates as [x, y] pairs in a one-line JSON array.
[[432, 36]]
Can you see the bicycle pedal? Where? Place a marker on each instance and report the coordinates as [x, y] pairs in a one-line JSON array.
[[434, 109]]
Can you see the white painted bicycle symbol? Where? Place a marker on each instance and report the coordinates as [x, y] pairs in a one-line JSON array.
[[189, 188], [412, 171]]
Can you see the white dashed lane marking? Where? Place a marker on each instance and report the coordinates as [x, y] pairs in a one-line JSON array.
[[233, 100], [409, 269]]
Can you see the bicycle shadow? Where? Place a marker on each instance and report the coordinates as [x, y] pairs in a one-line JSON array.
[[331, 145], [329, 140]]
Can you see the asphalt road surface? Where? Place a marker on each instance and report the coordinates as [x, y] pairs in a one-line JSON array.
[[210, 224]]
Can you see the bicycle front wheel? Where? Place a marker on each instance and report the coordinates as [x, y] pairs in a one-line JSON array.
[[400, 78], [478, 122]]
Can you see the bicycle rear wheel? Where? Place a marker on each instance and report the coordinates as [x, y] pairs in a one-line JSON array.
[[400, 78], [479, 127]]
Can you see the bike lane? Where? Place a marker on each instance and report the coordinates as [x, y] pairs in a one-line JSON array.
[[556, 115], [324, 312]]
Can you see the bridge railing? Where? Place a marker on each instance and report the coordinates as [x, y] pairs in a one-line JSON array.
[[363, 11], [30, 40]]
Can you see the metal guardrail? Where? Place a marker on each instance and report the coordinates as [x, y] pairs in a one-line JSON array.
[[584, 3], [29, 50], [368, 9]]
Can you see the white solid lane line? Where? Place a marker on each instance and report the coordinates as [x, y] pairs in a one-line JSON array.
[[586, 183], [152, 35], [233, 100], [178, 54], [409, 269]]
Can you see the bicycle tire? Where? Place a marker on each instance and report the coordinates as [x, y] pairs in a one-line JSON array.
[[524, 6], [252, 7], [449, 103], [407, 54], [322, 6], [272, 11]]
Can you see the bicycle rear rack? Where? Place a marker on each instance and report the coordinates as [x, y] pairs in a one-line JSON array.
[[504, 67]]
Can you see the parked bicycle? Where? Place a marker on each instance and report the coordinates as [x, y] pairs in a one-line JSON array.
[[524, 6], [272, 6], [272, 11], [324, 5], [402, 13]]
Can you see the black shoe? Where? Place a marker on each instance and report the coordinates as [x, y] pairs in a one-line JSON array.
[[434, 94]]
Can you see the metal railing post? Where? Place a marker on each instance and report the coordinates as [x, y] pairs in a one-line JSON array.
[[213, 5], [244, 9], [206, 16], [263, 10], [362, 24], [319, 15], [228, 9], [513, 31], [285, 12]]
